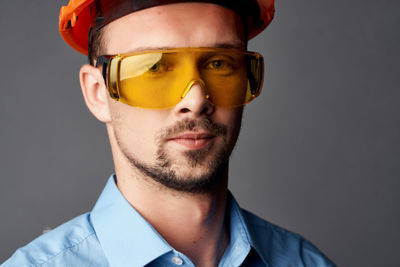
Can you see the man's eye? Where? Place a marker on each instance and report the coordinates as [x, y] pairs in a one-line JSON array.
[[219, 65], [157, 67]]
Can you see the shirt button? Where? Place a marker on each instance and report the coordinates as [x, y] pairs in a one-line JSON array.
[[176, 260]]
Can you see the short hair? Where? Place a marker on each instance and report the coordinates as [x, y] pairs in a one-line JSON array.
[[95, 42]]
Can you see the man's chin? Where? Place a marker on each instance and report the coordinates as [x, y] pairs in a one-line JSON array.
[[195, 181], [183, 177], [193, 174]]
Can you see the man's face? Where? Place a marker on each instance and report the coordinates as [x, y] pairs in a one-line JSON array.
[[185, 147]]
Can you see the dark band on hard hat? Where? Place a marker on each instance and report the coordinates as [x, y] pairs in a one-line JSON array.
[[110, 10]]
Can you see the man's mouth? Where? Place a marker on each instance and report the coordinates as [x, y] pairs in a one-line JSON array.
[[193, 140]]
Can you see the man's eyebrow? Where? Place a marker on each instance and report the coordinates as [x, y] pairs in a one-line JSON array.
[[233, 45]]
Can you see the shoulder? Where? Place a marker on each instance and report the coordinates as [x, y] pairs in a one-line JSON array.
[[281, 247], [73, 243]]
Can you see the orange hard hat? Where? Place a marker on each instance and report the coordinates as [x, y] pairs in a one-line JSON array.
[[79, 16]]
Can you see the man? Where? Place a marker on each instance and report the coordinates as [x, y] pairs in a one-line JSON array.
[[169, 80]]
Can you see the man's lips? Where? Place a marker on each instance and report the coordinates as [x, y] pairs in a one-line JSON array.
[[193, 140]]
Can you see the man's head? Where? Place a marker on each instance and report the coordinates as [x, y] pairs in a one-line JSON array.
[[185, 147]]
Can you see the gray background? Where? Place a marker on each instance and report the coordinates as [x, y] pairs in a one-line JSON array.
[[319, 151]]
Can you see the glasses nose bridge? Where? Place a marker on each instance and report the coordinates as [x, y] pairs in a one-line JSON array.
[[193, 76], [202, 86]]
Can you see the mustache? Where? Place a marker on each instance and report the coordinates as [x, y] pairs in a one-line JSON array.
[[193, 126]]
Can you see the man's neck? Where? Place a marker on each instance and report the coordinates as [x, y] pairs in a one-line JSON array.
[[193, 224]]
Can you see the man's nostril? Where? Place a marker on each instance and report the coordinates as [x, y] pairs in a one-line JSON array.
[[185, 110]]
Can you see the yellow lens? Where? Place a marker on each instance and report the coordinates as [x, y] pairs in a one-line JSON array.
[[146, 80], [160, 79], [225, 77]]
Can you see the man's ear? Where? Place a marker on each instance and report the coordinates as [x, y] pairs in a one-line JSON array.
[[95, 92]]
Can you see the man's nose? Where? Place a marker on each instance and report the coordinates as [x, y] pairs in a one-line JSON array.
[[195, 101]]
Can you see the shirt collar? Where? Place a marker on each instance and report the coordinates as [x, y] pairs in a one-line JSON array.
[[113, 219], [242, 235], [124, 234]]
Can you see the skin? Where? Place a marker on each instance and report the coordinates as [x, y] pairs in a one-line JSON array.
[[192, 222]]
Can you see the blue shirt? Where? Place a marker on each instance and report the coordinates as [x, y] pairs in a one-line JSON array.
[[115, 234]]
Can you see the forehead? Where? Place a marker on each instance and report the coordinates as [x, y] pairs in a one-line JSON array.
[[174, 25]]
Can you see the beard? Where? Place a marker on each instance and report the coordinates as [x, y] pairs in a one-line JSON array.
[[164, 170]]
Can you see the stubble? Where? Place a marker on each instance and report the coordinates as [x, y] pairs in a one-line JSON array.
[[165, 169]]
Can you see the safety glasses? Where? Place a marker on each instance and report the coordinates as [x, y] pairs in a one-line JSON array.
[[161, 78]]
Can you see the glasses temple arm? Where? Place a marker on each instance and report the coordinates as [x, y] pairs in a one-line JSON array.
[[103, 61]]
